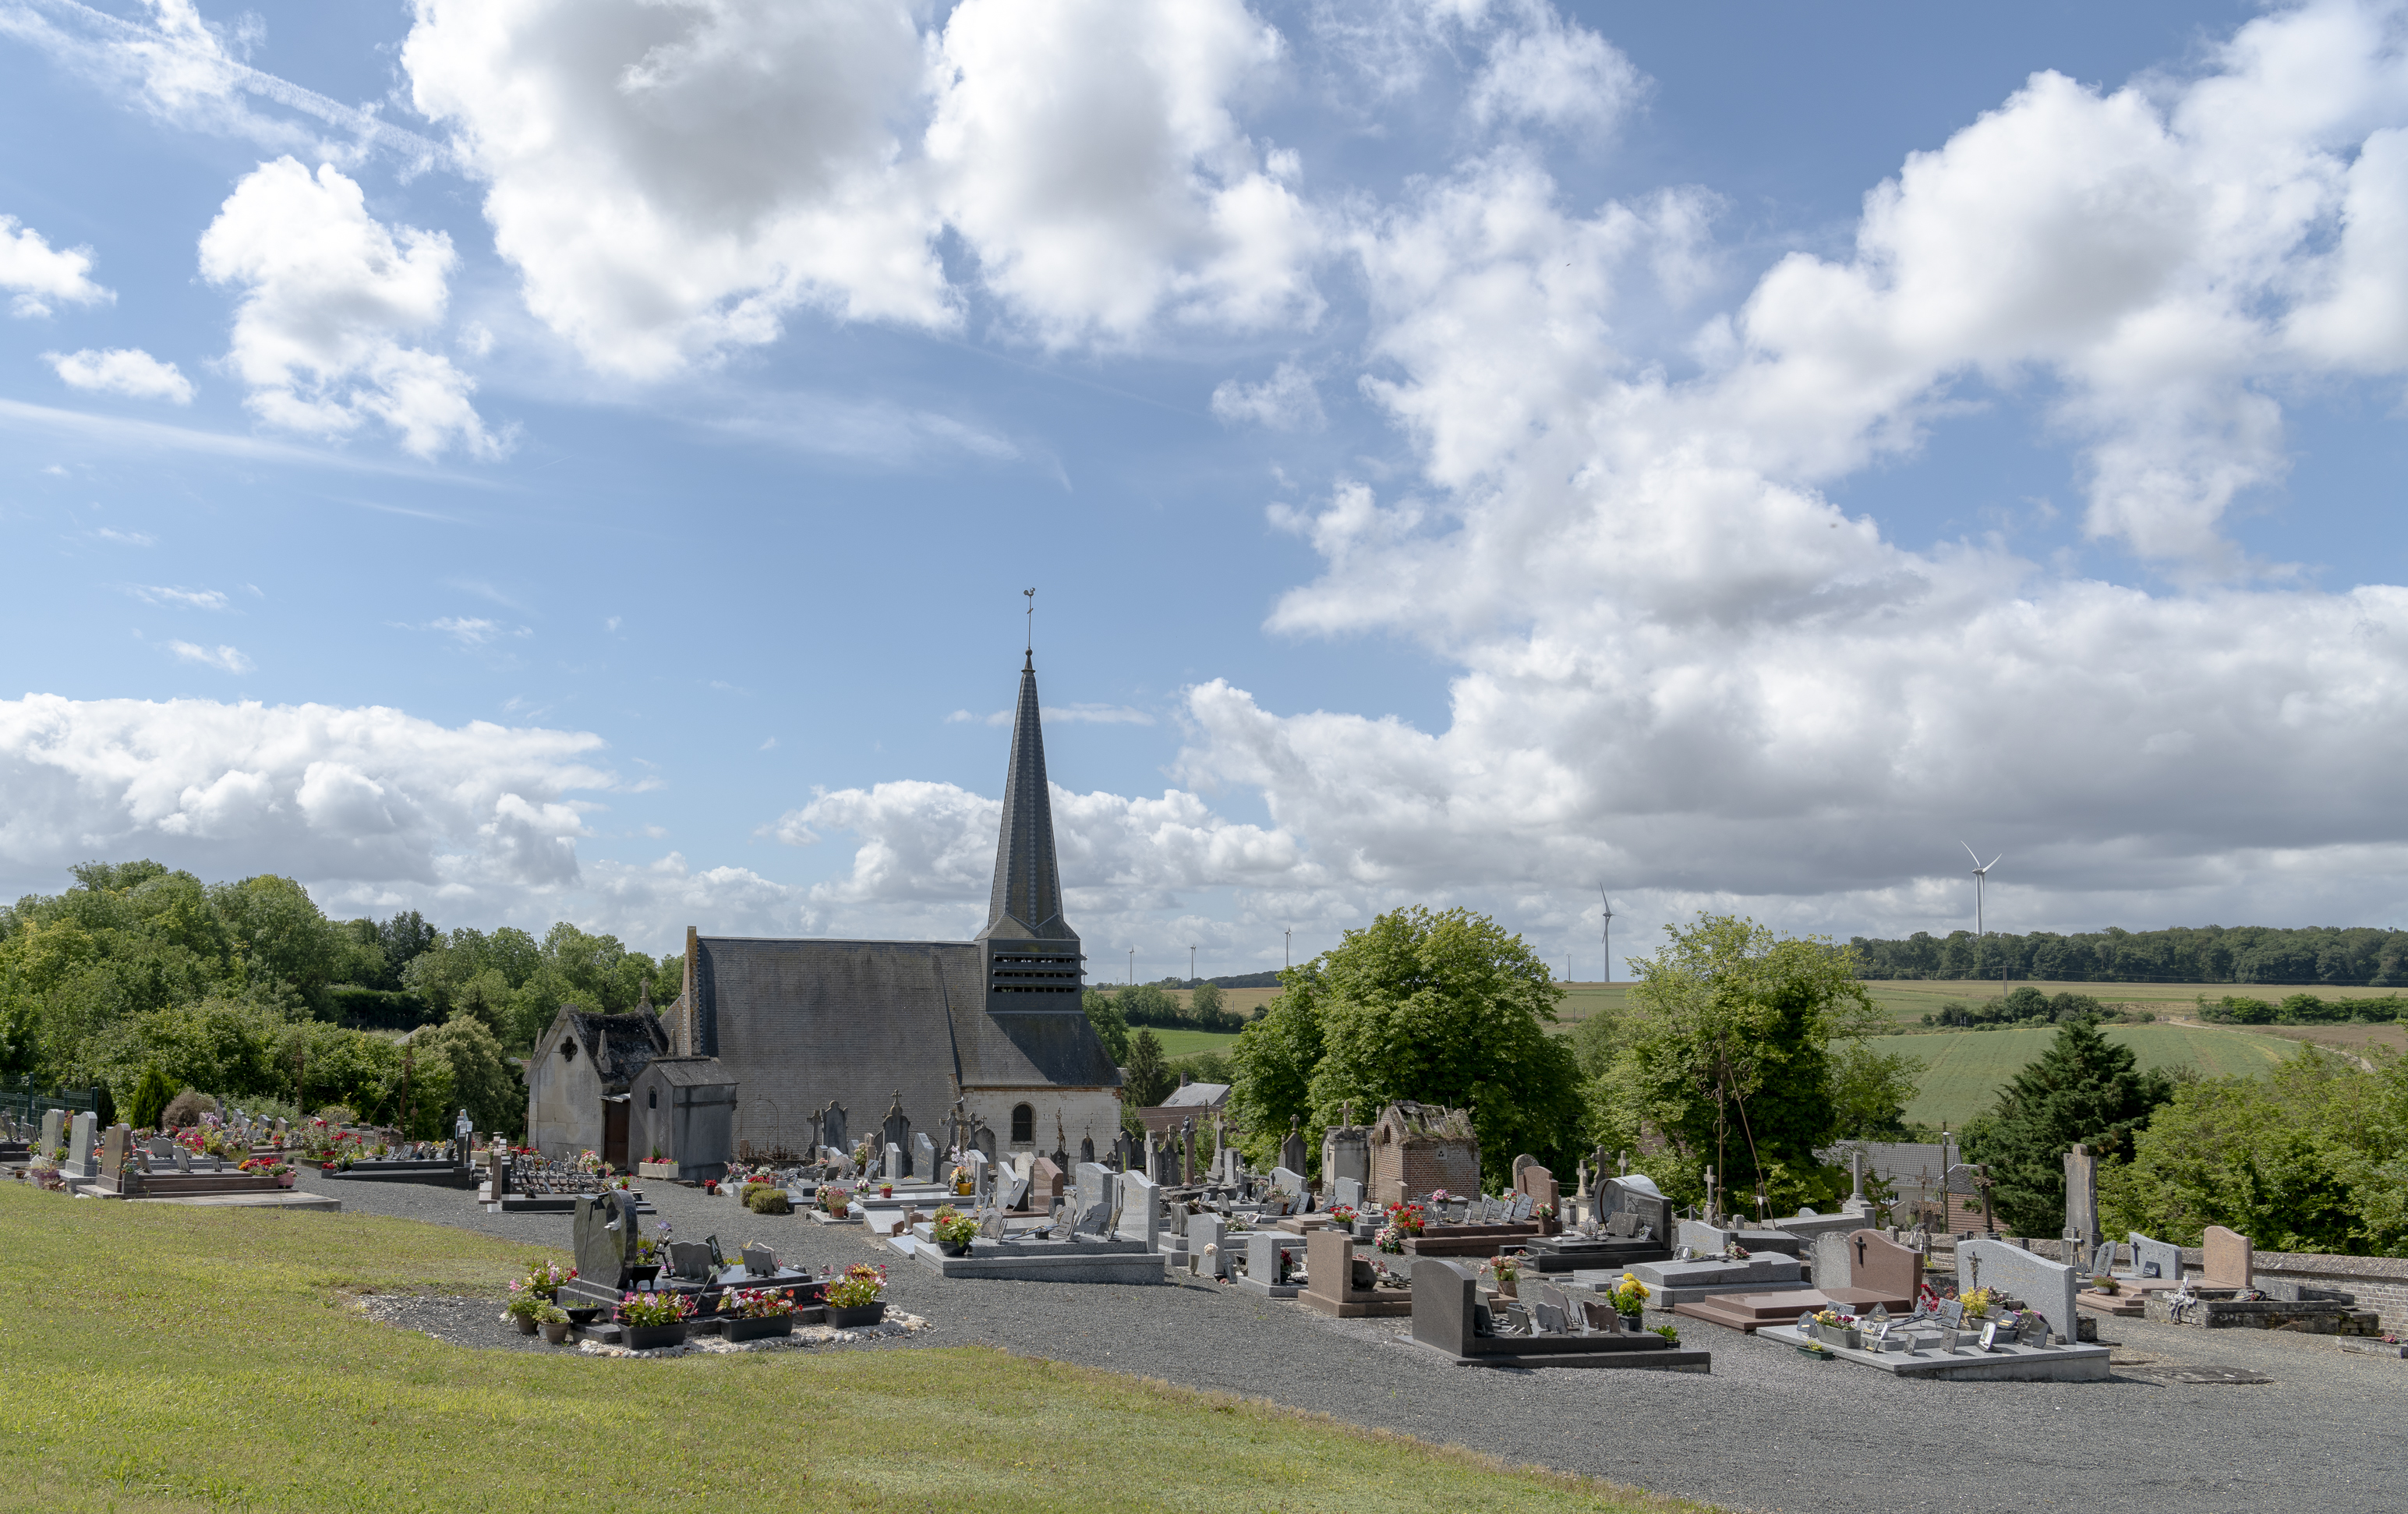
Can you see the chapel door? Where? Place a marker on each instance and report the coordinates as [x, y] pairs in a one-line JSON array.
[[614, 1132]]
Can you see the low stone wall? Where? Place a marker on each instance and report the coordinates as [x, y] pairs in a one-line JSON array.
[[2379, 1283]]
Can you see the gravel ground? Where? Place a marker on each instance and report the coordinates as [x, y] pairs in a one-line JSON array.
[[1767, 1430]]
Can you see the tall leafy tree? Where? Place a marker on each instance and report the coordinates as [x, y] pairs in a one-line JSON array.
[[1445, 1008], [2085, 1088], [1273, 1063], [1150, 1078], [1104, 1014], [1727, 1055]]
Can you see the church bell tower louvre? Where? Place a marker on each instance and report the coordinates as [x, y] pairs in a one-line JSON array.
[[1030, 953]]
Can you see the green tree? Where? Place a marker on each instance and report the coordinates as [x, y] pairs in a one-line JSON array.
[[1870, 1091], [480, 1077], [1274, 1059], [1150, 1078], [150, 1096], [1727, 1055], [1110, 1029], [2085, 1088], [1204, 1000], [1445, 1008], [2313, 1157]]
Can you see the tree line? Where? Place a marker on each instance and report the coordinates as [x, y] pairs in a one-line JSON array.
[[2356, 955], [246, 990]]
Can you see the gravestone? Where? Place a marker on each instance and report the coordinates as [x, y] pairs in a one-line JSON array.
[[113, 1152], [1636, 1195], [2082, 1195], [54, 1134], [1095, 1187], [923, 1159], [832, 1127], [1292, 1184], [2227, 1259], [1045, 1183], [896, 1127], [982, 1174], [1346, 1152], [83, 1146], [983, 1139], [1350, 1192], [1292, 1150], [2042, 1284], [759, 1260], [2153, 1259], [604, 1228], [1868, 1263], [1141, 1209], [690, 1261], [894, 1163], [1011, 1191], [1208, 1243], [1525, 1205], [1266, 1253], [1539, 1183], [2102, 1259], [1446, 1305], [1124, 1151]]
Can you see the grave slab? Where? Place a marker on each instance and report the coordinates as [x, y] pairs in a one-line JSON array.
[[1446, 1322], [2001, 1363]]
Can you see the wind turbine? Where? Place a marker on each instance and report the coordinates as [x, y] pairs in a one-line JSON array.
[[1980, 876], [1609, 931]]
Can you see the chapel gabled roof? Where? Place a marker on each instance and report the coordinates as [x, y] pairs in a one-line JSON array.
[[619, 1044]]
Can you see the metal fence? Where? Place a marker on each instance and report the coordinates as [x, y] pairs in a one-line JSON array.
[[22, 1100]]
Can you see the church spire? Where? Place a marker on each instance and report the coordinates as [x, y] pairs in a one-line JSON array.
[[1027, 899]]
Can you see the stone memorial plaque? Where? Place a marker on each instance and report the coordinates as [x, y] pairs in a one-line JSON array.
[[760, 1261], [991, 1224], [2031, 1329], [691, 1261], [1951, 1312], [1547, 1318], [1522, 1205], [1990, 1335]]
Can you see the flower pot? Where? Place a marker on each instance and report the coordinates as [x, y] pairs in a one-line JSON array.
[[869, 1314], [1633, 1324], [762, 1327], [285, 1180], [953, 1248], [557, 1333], [583, 1316], [646, 1272], [524, 1322], [652, 1337], [886, 1190], [1505, 1289]]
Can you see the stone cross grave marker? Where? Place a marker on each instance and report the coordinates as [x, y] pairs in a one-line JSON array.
[[2227, 1260], [2082, 1194]]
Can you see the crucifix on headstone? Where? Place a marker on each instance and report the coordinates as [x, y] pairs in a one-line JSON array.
[[1711, 1211], [1187, 1151]]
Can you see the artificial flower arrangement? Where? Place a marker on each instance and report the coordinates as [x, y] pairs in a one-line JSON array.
[[1344, 1214], [1411, 1218], [1834, 1318], [263, 1167], [835, 1198], [1507, 1269], [863, 1154], [859, 1287], [961, 1180], [953, 1228], [1628, 1295], [756, 1302], [1976, 1303], [645, 1309]]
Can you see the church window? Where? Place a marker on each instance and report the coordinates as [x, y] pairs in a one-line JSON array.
[[1023, 1125]]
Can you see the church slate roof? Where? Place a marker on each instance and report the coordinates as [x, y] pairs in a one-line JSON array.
[[619, 1044], [800, 1022]]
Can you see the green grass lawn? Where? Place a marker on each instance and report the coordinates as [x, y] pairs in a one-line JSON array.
[[156, 1357], [1963, 1069], [1188, 1043]]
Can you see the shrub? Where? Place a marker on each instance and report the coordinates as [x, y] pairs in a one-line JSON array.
[[763, 1200], [186, 1109], [151, 1099], [337, 1114]]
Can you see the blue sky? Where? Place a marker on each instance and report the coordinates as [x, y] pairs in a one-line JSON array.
[[1466, 452]]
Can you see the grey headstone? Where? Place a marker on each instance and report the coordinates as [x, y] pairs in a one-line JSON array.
[[83, 1146], [923, 1159], [1141, 1209], [2102, 1259], [1548, 1318], [1446, 1293], [604, 1229], [53, 1131], [1014, 1189], [113, 1149], [2154, 1258], [1288, 1182], [1350, 1193], [1524, 1205], [1264, 1248], [2043, 1285], [1208, 1241], [1636, 1194], [759, 1260], [982, 1174], [1094, 1187], [894, 1163]]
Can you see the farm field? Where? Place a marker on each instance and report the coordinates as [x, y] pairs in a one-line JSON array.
[[1908, 1000], [1964, 1069], [1177, 1044]]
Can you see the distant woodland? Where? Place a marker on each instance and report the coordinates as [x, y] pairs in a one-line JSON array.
[[2311, 955]]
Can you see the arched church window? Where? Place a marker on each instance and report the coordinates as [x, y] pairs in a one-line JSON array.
[[1023, 1125]]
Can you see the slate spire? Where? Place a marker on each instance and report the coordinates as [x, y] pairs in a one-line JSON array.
[[1027, 899]]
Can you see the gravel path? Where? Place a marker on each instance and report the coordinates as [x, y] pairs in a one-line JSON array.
[[1767, 1430]]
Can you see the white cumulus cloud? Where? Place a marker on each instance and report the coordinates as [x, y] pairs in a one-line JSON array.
[[328, 295], [1285, 401], [223, 658], [122, 370], [38, 278]]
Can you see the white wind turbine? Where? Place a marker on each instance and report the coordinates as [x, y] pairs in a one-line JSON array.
[[1980, 876]]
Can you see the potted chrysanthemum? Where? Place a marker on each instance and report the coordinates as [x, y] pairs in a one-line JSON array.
[[1628, 1296], [854, 1300]]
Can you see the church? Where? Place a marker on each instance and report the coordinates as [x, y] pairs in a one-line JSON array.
[[829, 1040]]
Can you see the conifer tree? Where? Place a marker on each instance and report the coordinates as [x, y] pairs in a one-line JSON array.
[[2085, 1088]]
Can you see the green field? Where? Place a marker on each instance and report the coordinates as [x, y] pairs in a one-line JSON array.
[[1964, 1069], [1177, 1044], [164, 1358]]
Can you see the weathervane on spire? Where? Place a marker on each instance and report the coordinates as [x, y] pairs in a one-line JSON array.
[[1032, 621]]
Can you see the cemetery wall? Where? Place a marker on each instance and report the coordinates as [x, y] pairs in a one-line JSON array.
[[1082, 1110]]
